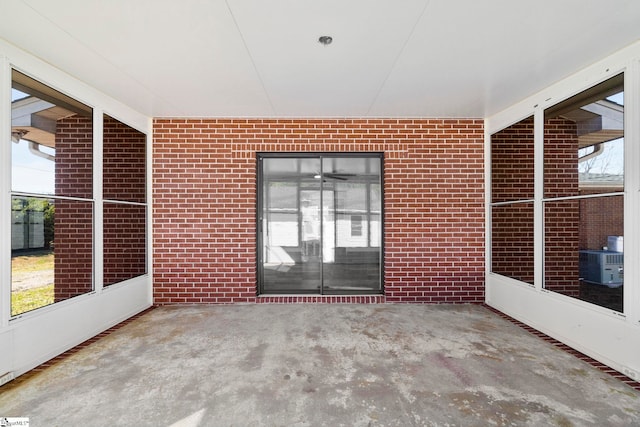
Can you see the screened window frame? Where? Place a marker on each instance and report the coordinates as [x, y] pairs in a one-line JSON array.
[[46, 89]]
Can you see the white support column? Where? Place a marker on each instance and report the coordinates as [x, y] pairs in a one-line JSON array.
[[6, 335], [5, 194], [538, 195], [149, 179], [487, 206], [98, 217]]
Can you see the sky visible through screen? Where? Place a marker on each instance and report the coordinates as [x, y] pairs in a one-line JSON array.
[[611, 161], [30, 173]]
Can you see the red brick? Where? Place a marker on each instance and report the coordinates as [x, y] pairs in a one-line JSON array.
[[433, 187]]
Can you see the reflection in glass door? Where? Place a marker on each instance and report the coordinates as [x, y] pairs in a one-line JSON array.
[[320, 224]]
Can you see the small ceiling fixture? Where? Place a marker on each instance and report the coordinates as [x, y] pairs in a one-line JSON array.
[[325, 40]]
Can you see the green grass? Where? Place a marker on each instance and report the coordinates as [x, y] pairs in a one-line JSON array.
[[37, 261], [30, 299], [31, 268]]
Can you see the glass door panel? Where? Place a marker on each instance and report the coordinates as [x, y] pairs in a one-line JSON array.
[[320, 225], [351, 224], [290, 237]]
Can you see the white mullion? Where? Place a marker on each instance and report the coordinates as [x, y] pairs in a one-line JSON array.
[[487, 211], [5, 193], [538, 207], [149, 201], [98, 217]]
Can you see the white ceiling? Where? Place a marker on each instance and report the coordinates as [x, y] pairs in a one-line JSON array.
[[261, 58]]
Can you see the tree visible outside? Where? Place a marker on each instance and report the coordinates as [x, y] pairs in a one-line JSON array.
[[610, 162]]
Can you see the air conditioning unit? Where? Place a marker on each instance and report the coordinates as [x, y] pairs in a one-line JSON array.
[[602, 267]]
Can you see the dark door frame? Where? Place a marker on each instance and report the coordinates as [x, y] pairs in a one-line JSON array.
[[259, 217]]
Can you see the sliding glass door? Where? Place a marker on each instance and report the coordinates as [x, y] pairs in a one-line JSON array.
[[320, 223]]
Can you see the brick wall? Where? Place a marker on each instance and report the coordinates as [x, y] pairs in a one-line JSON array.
[[73, 261], [124, 242], [512, 163], [561, 218], [74, 157], [205, 199], [124, 179], [512, 246], [512, 179], [560, 158], [561, 247], [600, 217], [73, 241], [124, 162]]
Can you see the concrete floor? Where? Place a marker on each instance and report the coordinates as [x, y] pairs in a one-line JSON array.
[[321, 365]]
